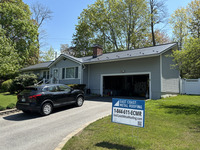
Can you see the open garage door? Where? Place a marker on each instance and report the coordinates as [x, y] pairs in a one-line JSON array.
[[126, 85]]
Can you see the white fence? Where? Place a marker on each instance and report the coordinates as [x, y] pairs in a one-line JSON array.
[[190, 86]]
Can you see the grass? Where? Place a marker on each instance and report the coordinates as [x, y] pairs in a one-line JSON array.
[[171, 123], [7, 101]]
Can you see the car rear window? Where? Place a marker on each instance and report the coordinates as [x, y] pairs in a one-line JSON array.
[[29, 91]]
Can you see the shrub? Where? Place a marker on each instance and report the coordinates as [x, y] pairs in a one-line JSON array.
[[10, 106], [77, 86], [2, 108], [6, 85], [23, 80]]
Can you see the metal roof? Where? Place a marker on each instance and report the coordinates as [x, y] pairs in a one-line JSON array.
[[114, 56], [43, 65], [129, 54]]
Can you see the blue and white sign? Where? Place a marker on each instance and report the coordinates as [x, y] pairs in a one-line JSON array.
[[128, 111]]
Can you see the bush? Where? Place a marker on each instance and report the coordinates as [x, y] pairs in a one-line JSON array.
[[11, 106], [6, 85], [77, 86], [2, 108], [23, 80]]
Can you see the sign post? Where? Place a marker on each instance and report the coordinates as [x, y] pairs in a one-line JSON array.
[[128, 111]]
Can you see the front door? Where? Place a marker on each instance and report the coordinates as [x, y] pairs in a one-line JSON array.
[[55, 75]]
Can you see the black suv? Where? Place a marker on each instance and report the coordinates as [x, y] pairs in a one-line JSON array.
[[44, 98]]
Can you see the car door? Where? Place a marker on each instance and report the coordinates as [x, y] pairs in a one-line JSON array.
[[56, 95], [67, 96]]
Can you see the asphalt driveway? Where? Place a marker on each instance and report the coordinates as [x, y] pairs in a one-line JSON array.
[[20, 131]]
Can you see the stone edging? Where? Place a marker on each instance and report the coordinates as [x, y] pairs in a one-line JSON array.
[[8, 111]]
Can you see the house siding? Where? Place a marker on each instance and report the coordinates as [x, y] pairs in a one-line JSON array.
[[151, 64], [66, 64], [170, 75], [85, 76]]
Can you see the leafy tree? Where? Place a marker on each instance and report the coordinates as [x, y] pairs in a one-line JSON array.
[[65, 49], [115, 24], [188, 60], [9, 62], [158, 14], [18, 26], [179, 23], [193, 10], [47, 55], [161, 37]]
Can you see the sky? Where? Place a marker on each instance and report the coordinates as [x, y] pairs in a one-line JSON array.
[[61, 27]]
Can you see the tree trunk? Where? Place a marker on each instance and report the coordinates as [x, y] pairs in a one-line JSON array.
[[153, 35], [152, 22]]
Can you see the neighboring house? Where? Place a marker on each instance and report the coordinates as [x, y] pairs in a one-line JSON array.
[[142, 72]]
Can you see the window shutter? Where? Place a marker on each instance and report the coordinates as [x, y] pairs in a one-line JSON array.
[[63, 73], [76, 72]]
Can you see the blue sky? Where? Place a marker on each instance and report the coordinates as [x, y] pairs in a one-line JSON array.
[[65, 16]]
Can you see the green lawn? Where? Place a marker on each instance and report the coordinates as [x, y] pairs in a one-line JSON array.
[[7, 101], [170, 124]]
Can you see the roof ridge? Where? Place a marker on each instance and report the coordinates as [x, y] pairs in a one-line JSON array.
[[135, 49]]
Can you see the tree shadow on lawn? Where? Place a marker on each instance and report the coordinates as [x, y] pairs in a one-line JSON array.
[[186, 110], [8, 94], [182, 109], [114, 146]]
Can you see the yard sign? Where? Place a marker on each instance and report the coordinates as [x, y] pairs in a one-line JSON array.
[[128, 111]]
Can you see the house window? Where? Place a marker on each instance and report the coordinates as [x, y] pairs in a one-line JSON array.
[[46, 74], [70, 73]]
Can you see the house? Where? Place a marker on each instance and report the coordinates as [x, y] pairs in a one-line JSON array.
[[145, 72]]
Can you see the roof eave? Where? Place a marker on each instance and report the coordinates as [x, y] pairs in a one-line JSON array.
[[33, 69], [65, 56]]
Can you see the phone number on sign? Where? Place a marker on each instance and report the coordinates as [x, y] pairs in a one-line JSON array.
[[127, 112]]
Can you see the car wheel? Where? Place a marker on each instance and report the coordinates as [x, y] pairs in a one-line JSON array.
[[46, 109], [79, 101]]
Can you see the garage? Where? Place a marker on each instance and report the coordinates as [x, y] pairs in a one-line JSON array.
[[126, 85]]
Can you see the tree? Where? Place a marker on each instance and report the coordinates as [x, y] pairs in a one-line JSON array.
[[18, 27], [179, 24], [193, 10], [47, 55], [188, 60], [114, 24], [160, 38], [9, 62], [40, 14], [65, 49], [158, 14]]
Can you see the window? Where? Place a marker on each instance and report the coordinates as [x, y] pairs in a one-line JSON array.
[[70, 73], [52, 89], [64, 88]]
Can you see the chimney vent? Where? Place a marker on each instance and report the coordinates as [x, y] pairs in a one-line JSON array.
[[97, 50]]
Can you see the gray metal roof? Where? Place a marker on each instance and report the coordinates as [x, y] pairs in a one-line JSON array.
[[114, 56], [43, 65], [130, 54]]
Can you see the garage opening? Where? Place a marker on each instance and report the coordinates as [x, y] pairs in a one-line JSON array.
[[126, 85]]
